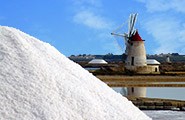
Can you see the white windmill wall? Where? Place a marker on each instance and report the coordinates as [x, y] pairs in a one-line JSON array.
[[136, 58], [136, 55]]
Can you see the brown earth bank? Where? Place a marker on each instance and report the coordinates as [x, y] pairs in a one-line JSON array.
[[113, 68], [177, 68], [143, 80], [157, 103]]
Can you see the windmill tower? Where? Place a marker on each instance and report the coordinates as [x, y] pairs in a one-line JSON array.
[[136, 54]]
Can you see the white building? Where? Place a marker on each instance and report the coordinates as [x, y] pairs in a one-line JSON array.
[[96, 64], [152, 65]]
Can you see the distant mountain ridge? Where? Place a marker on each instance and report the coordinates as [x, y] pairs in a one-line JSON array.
[[174, 57]]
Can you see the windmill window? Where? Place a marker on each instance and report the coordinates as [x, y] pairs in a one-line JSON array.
[[132, 62]]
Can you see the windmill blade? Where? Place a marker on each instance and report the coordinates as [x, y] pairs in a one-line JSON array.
[[116, 34], [135, 17], [134, 21], [123, 38], [126, 46], [129, 25], [132, 25], [119, 44], [119, 27], [131, 22], [132, 30]]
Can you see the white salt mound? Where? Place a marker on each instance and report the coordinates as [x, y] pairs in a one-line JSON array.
[[39, 83]]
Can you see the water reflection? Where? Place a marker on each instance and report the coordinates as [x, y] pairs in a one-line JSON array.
[[157, 92]]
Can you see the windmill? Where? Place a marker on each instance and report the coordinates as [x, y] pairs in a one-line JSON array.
[[135, 49], [136, 54]]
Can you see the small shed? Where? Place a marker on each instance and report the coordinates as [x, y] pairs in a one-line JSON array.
[[153, 65]]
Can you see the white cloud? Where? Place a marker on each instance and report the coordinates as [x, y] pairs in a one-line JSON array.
[[167, 32], [91, 20], [89, 13], [164, 22], [164, 5]]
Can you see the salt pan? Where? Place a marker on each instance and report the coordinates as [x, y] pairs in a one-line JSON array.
[[37, 82]]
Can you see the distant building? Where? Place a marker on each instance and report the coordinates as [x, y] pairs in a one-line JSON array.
[[98, 62]]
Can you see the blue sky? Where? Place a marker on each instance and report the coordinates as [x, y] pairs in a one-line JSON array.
[[84, 26]]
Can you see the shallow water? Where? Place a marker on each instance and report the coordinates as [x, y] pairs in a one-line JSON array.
[[166, 93], [157, 92]]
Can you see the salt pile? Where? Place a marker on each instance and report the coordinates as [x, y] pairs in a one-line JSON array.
[[39, 83]]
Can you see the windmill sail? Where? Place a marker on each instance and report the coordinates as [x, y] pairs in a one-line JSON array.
[[131, 31], [132, 21]]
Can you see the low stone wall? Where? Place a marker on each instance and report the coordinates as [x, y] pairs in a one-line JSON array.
[[149, 69], [157, 104]]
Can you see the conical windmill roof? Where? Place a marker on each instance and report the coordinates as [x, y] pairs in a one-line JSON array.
[[136, 37]]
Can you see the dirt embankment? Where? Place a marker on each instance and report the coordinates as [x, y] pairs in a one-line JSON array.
[[157, 104]]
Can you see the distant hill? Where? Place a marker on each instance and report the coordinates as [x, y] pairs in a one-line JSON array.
[[108, 57], [174, 57]]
